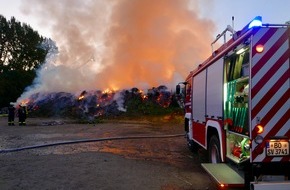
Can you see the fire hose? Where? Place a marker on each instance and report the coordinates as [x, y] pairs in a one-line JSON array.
[[88, 141]]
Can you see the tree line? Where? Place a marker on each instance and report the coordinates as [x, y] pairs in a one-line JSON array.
[[21, 53]]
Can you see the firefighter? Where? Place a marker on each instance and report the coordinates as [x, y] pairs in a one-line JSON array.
[[11, 115], [22, 115]]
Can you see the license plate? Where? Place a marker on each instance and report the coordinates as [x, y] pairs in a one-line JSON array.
[[277, 148]]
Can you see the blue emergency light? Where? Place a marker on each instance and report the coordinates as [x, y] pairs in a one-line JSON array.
[[256, 22]]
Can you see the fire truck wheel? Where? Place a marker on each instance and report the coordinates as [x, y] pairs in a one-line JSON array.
[[214, 150]]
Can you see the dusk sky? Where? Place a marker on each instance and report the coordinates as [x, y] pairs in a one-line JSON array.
[[220, 11]]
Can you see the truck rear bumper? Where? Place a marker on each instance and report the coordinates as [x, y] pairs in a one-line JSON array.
[[224, 175], [283, 185]]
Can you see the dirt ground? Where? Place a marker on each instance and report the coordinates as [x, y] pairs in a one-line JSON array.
[[151, 163]]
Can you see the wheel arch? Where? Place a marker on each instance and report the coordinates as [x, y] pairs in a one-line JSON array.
[[214, 128]]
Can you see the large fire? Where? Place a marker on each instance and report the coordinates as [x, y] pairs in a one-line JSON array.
[[123, 43], [110, 44]]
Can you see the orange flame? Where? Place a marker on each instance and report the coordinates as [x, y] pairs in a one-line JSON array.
[[81, 97], [145, 42], [24, 102]]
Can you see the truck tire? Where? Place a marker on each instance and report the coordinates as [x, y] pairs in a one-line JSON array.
[[214, 150]]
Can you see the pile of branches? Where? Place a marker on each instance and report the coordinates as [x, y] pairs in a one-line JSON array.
[[89, 105]]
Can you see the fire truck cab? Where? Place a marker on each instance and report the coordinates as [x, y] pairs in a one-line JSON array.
[[237, 107]]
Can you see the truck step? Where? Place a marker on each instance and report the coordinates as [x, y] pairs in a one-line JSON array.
[[224, 175]]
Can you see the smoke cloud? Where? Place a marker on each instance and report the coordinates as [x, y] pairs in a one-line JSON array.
[[119, 44]]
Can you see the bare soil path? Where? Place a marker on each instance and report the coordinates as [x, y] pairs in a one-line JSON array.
[[163, 163]]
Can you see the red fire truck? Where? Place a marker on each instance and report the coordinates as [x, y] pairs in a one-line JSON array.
[[237, 107]]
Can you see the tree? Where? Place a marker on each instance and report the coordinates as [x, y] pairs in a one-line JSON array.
[[21, 54]]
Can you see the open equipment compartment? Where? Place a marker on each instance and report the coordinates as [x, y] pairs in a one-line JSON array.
[[236, 113]]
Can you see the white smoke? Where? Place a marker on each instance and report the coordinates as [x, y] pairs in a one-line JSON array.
[[119, 44], [119, 98]]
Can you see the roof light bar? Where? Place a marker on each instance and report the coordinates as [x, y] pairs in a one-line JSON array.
[[256, 22]]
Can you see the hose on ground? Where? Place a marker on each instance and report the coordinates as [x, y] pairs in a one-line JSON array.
[[88, 141]]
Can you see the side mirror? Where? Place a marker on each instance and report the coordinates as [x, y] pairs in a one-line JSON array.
[[177, 91]]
